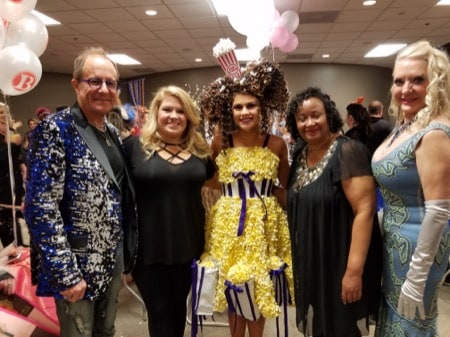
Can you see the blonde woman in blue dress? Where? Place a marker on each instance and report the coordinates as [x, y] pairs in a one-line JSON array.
[[412, 167], [247, 235]]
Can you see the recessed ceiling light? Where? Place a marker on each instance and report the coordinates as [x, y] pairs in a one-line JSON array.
[[151, 12], [123, 59], [48, 21], [443, 3], [325, 56], [198, 60], [369, 2], [385, 49]]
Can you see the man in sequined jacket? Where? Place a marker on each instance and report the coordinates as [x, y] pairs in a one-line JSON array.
[[79, 203]]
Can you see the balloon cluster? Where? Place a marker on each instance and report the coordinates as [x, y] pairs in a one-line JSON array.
[[23, 38], [267, 27]]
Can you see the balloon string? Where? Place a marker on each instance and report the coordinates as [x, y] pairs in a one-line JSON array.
[[11, 169]]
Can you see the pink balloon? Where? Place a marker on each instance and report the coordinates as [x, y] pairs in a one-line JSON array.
[[290, 45], [21, 70], [14, 10], [279, 36], [276, 17]]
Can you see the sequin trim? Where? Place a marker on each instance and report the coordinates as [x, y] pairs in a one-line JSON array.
[[306, 175]]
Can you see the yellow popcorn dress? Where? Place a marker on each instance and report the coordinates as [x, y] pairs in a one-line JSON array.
[[247, 235]]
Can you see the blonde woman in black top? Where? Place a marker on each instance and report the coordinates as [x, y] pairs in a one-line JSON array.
[[169, 164]]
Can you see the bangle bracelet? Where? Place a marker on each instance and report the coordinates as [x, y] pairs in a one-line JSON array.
[[277, 184]]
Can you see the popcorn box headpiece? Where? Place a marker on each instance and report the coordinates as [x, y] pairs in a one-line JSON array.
[[224, 52]]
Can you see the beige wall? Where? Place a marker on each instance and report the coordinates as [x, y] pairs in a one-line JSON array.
[[344, 83]]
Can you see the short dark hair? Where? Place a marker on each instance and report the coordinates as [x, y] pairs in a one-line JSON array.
[[375, 107], [334, 119]]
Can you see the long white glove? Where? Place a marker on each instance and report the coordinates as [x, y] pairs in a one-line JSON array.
[[433, 225]]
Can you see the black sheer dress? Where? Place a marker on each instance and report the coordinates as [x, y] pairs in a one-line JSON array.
[[320, 220]]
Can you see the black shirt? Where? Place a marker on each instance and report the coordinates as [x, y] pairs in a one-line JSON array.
[[171, 216]]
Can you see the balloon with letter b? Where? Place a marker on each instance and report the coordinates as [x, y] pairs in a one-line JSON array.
[[21, 70]]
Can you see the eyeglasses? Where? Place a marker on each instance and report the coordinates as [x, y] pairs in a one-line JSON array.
[[96, 83]]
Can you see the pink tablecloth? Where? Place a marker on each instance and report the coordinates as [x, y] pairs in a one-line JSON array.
[[24, 313]]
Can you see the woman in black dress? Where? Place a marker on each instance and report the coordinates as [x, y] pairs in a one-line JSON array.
[[331, 214]]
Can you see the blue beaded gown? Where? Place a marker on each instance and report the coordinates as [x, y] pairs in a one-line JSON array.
[[404, 210]]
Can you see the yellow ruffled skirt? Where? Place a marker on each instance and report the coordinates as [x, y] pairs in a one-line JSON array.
[[263, 246]]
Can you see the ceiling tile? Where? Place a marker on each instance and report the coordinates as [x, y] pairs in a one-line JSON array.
[[185, 29]]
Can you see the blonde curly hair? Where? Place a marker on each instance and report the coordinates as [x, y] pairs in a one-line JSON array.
[[438, 73], [193, 138]]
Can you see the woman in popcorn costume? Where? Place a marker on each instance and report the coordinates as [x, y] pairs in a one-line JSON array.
[[247, 236]]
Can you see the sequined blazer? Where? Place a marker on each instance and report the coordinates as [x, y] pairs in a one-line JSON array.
[[75, 210]]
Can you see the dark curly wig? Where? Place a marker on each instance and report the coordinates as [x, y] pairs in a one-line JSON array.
[[262, 79], [334, 119]]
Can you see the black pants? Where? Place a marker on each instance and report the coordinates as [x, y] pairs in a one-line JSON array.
[[164, 289]]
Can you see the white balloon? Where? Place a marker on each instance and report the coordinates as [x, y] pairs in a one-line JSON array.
[[14, 10], [2, 34], [21, 70], [244, 23], [290, 20], [30, 31], [239, 24], [257, 42], [263, 20]]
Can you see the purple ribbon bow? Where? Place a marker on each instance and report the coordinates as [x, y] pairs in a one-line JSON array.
[[243, 196]]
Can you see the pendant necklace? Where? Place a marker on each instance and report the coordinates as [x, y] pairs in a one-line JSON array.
[[103, 133], [105, 137], [398, 130]]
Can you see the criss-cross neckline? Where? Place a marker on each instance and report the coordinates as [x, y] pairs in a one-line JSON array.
[[173, 156]]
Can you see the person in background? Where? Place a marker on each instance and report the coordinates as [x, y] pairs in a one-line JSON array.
[[123, 118], [7, 202], [336, 243], [169, 164], [26, 143], [32, 123], [381, 128], [358, 121], [412, 168], [246, 230], [79, 203], [42, 112]]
